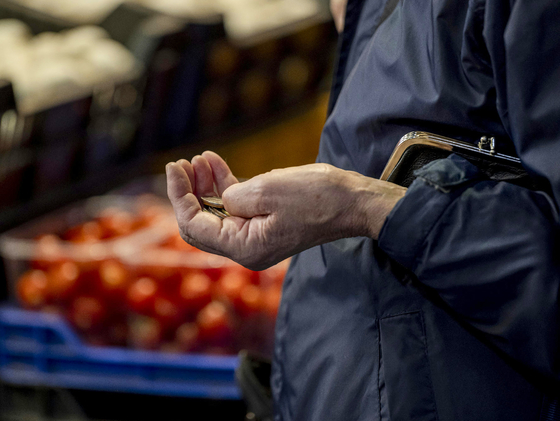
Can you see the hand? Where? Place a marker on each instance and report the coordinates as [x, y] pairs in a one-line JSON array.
[[338, 11], [277, 214]]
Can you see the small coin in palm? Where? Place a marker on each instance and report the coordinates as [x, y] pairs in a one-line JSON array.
[[215, 206]]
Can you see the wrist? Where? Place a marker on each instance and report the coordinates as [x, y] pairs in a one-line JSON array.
[[372, 201]]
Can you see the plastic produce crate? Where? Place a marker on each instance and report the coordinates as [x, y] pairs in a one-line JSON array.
[[40, 349]]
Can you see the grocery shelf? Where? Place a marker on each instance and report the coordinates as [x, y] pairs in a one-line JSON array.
[[40, 349]]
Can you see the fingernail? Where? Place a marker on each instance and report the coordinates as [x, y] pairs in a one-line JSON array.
[[168, 168]]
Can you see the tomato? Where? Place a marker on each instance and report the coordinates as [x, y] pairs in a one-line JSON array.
[[214, 266], [162, 266], [167, 278], [114, 281], [145, 333], [88, 232], [147, 215], [141, 295], [273, 275], [249, 301], [195, 291], [115, 223], [230, 285], [168, 313], [31, 289], [177, 243], [87, 313], [187, 337], [214, 324], [271, 302], [88, 257], [62, 281], [48, 251], [117, 332]]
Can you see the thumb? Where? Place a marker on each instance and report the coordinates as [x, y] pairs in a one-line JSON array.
[[245, 199]]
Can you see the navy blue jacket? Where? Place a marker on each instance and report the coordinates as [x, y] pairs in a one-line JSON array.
[[453, 314]]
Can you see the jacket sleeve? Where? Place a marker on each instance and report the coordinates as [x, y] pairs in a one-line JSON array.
[[491, 250]]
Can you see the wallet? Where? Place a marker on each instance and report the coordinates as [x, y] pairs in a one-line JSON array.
[[416, 149]]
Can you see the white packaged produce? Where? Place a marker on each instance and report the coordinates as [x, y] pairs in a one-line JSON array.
[[52, 68], [13, 31]]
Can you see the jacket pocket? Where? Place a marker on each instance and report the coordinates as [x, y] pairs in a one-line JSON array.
[[405, 383]]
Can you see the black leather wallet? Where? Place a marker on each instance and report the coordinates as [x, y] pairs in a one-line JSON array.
[[416, 149]]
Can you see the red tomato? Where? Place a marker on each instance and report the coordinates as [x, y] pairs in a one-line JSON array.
[[88, 258], [147, 215], [62, 282], [230, 285], [177, 243], [214, 324], [87, 313], [31, 289], [115, 223], [165, 271], [214, 265], [88, 232], [145, 333], [168, 313], [187, 337], [114, 281], [48, 252], [117, 333], [141, 295], [273, 275], [195, 291], [167, 278], [271, 302], [250, 300]]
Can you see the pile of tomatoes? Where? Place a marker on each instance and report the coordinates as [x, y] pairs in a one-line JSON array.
[[163, 296]]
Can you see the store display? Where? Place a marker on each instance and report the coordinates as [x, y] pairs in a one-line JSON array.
[[124, 277]]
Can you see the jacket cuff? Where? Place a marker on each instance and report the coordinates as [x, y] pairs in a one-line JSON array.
[[436, 186]]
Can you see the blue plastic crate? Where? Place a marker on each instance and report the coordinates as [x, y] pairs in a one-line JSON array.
[[41, 349]]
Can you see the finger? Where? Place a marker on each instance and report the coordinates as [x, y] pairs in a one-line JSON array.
[[180, 193], [246, 199], [202, 231], [187, 166], [204, 180], [197, 228], [223, 177]]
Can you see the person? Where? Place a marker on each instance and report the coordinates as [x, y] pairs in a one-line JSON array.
[[436, 302]]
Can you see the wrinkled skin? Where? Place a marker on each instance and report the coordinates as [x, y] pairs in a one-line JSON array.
[[276, 214]]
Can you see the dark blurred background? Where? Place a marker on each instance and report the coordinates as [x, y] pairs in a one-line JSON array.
[[105, 313]]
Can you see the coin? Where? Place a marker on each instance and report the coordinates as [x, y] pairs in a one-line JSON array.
[[215, 202], [216, 212], [215, 206]]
